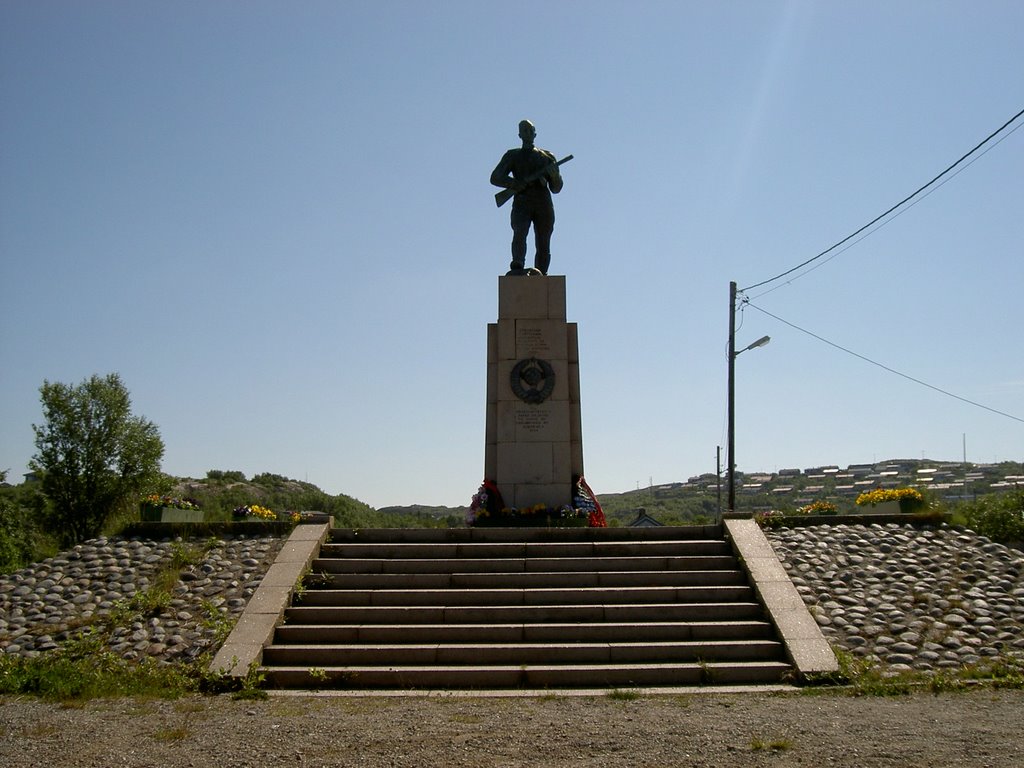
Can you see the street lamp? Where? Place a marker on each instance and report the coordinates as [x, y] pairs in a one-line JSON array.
[[733, 354], [759, 343]]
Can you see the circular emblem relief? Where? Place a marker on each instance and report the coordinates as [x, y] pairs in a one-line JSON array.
[[533, 380]]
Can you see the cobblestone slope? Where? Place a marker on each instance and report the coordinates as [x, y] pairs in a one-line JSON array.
[[912, 599], [41, 605]]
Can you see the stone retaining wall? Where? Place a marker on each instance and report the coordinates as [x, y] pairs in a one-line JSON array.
[[925, 599]]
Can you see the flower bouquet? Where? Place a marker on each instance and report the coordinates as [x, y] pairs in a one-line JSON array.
[[488, 510]]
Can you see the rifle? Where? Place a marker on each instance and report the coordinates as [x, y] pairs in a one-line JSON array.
[[500, 198]]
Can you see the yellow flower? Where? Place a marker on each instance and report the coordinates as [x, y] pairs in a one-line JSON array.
[[879, 495]]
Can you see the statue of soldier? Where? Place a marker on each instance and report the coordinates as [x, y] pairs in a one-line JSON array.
[[532, 174]]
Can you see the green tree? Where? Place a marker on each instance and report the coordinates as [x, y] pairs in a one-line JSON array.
[[94, 456]]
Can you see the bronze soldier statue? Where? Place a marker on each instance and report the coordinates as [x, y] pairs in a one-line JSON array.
[[529, 175]]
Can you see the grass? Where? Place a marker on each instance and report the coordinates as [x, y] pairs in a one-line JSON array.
[[619, 694], [707, 674], [183, 731], [467, 719], [758, 744], [41, 730], [172, 734], [83, 668], [860, 677]]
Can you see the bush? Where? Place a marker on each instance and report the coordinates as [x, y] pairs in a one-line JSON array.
[[999, 516], [22, 539], [770, 519], [16, 536], [228, 475]]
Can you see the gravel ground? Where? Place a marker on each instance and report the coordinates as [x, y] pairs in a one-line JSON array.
[[979, 728]]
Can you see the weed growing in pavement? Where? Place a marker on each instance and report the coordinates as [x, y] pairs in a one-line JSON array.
[[172, 734], [619, 694], [758, 744], [251, 686]]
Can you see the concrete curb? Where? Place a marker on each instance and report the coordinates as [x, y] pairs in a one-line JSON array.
[[806, 647], [255, 628]]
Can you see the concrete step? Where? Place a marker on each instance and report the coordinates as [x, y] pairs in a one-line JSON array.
[[653, 631], [328, 655], [519, 535], [525, 580], [512, 565], [524, 607], [522, 614], [535, 596], [507, 550], [527, 676]]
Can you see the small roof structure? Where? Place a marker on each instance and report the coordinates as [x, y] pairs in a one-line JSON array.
[[643, 520]]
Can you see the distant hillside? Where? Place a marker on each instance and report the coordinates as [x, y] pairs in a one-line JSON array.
[[220, 492], [788, 489], [451, 517], [680, 503]]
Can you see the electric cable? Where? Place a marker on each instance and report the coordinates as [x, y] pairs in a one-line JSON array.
[[902, 202], [884, 367], [892, 218]]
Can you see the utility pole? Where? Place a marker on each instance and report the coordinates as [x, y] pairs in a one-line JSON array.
[[732, 391], [731, 456], [718, 478]]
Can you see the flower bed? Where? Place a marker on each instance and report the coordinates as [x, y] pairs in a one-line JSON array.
[[819, 507], [169, 509], [886, 499], [257, 512]]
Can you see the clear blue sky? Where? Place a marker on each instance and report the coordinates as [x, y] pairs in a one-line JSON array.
[[274, 221]]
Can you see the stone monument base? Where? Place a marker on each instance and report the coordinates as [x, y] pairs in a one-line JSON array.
[[534, 446]]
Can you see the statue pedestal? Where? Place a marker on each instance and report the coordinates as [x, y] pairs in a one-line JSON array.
[[534, 442]]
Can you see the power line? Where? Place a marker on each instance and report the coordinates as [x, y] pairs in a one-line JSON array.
[[902, 202], [893, 218], [883, 367]]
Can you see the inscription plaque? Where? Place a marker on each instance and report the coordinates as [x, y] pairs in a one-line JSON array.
[[531, 341], [533, 420]]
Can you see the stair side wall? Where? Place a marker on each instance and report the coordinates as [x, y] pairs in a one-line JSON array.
[[255, 627], [806, 647]]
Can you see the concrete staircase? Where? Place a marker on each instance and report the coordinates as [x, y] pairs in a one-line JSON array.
[[490, 608]]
